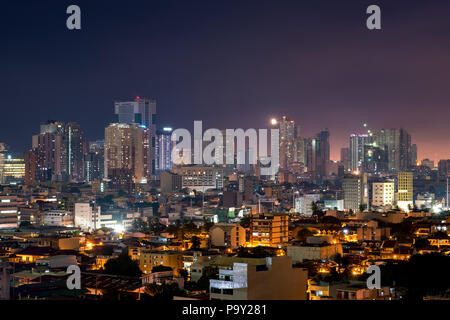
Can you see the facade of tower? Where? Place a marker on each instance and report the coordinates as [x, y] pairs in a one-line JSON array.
[[356, 191], [74, 143], [288, 133], [323, 152], [397, 145], [126, 151], [94, 161], [50, 148], [141, 112], [357, 147], [164, 150], [405, 190]]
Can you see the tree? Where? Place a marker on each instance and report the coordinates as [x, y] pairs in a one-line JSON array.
[[122, 266], [246, 221], [361, 208], [162, 291], [316, 211], [195, 243], [303, 234], [161, 268], [139, 225]]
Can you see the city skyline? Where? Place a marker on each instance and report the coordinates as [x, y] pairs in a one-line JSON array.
[[259, 62]]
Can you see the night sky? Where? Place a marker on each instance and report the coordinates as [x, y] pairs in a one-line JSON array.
[[230, 63]]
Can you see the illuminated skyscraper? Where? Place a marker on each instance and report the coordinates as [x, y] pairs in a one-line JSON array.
[[94, 161], [163, 150], [142, 112], [288, 134], [50, 148], [126, 151], [357, 145], [74, 152]]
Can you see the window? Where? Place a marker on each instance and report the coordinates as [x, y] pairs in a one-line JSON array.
[[228, 291], [215, 290]]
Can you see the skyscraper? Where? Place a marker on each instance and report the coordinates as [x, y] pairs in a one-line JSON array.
[[357, 145], [74, 143], [142, 112], [397, 145], [126, 149], [94, 161], [345, 158], [288, 134], [163, 150], [323, 152], [50, 148]]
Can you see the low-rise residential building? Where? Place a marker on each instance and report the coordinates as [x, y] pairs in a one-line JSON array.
[[269, 229], [316, 251], [150, 259], [274, 280], [230, 235], [58, 218]]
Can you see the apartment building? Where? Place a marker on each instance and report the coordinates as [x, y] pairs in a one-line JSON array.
[[274, 280]]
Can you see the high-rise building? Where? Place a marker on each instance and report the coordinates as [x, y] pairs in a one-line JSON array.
[[397, 145], [94, 161], [375, 159], [383, 193], [73, 136], [50, 149], [3, 155], [126, 150], [311, 154], [405, 190], [356, 191], [413, 159], [357, 147], [58, 151], [288, 134], [164, 150], [142, 112], [31, 167], [345, 158], [323, 152]]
